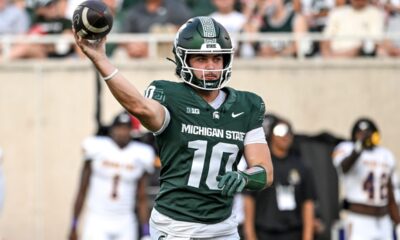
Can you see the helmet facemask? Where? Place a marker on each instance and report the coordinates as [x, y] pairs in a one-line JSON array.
[[187, 72], [218, 43]]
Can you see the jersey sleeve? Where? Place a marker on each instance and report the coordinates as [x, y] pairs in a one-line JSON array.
[[157, 92], [392, 161], [340, 152], [309, 188], [257, 110], [396, 186], [90, 148]]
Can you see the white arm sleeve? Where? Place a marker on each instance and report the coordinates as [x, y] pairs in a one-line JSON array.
[[255, 136], [167, 119]]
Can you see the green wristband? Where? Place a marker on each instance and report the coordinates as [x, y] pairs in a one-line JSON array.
[[256, 178]]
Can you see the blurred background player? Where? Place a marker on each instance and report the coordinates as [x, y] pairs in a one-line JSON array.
[[366, 170], [114, 178], [286, 210]]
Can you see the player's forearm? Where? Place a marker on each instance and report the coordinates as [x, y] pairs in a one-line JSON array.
[[143, 212], [101, 62], [269, 169], [148, 111], [81, 195], [77, 211], [392, 205], [259, 155], [394, 213], [308, 219], [127, 95], [249, 224], [349, 161], [142, 201], [121, 88], [266, 163]]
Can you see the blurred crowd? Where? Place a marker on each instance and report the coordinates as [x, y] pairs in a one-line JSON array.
[[347, 29]]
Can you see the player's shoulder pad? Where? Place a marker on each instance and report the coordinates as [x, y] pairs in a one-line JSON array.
[[94, 142], [141, 145], [249, 98], [253, 102], [342, 148], [158, 89], [387, 153], [345, 145]]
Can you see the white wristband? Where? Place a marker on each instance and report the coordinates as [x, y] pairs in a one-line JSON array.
[[111, 75]]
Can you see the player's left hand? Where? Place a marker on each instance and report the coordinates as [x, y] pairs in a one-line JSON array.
[[231, 183]]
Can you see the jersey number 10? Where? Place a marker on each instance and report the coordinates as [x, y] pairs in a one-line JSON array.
[[199, 159]]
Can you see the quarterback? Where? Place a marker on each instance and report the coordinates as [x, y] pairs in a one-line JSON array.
[[202, 130]]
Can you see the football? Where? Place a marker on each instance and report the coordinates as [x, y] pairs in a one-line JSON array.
[[92, 19]]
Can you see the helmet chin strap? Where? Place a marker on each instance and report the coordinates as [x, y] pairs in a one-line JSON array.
[[171, 60]]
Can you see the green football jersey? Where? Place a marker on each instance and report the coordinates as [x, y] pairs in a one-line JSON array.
[[199, 144]]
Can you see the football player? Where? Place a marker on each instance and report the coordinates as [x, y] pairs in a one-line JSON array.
[[202, 130], [113, 178], [366, 170]]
